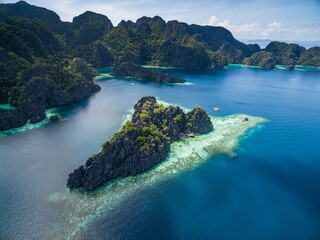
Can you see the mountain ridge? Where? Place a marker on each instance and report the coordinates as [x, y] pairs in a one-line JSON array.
[[153, 41], [45, 62]]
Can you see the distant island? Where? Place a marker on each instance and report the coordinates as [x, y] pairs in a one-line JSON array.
[[130, 69], [141, 143], [152, 41], [45, 62]]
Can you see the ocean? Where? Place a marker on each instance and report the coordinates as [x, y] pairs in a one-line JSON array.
[[262, 183]]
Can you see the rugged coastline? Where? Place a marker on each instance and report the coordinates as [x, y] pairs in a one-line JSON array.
[[45, 62], [184, 156], [36, 73], [141, 143], [130, 69], [153, 41]]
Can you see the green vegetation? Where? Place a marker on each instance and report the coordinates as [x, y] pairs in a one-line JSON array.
[[144, 116], [37, 72], [147, 137], [129, 126], [157, 111], [34, 42], [149, 41], [138, 146], [310, 57], [103, 145], [178, 118], [280, 53], [262, 59], [80, 67], [287, 54], [154, 125], [152, 131]]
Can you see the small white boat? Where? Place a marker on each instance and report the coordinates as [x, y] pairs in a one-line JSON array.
[[131, 84], [216, 109], [191, 135]]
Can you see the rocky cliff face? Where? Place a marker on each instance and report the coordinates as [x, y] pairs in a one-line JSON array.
[[130, 69], [35, 74], [38, 87], [39, 93], [262, 59], [141, 143], [310, 57], [42, 15], [87, 28], [153, 41]]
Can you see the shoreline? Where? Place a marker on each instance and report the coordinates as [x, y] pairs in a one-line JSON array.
[[229, 66], [30, 126], [84, 208]]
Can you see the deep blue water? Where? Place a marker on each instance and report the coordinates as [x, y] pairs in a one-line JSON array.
[[271, 190]]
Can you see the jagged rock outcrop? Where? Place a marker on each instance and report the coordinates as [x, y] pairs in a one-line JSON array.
[[175, 54], [141, 143], [42, 15], [153, 41], [54, 118], [262, 59], [196, 121], [87, 28], [43, 88], [35, 76], [130, 69], [288, 54], [230, 53], [102, 55], [42, 94], [310, 57]]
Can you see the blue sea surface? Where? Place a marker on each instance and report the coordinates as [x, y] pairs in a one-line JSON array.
[[270, 190]]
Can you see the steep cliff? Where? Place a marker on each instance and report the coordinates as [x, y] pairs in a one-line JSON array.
[[36, 73], [141, 143], [153, 41], [262, 59]]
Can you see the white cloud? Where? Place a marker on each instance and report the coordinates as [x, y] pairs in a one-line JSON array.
[[255, 30], [213, 20], [303, 31], [245, 28], [274, 27], [225, 24]]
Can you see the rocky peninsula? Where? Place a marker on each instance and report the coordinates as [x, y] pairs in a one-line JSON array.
[[130, 69], [141, 143], [36, 73]]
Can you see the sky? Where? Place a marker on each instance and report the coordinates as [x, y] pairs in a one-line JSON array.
[[295, 20]]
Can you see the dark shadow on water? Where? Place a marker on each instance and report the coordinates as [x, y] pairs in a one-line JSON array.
[[72, 108], [134, 80]]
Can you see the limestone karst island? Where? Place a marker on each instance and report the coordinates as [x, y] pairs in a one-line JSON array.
[[159, 119]]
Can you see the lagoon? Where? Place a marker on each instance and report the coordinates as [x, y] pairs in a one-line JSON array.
[[268, 189]]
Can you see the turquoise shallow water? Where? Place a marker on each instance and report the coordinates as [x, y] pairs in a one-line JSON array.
[[6, 106], [270, 190]]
